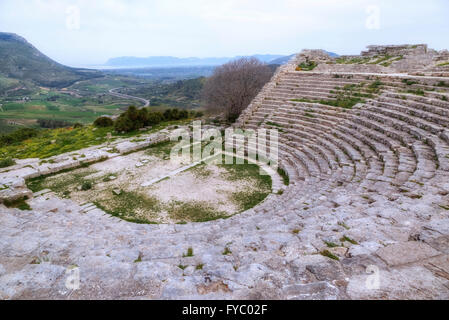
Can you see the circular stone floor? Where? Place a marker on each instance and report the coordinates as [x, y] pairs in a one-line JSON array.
[[146, 187]]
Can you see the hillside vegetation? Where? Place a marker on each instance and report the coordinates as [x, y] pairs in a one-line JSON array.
[[22, 61], [181, 94]]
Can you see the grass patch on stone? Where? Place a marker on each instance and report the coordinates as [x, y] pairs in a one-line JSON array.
[[247, 199], [60, 183], [128, 206], [226, 251], [273, 124], [201, 171], [195, 211], [344, 225], [189, 253], [284, 176], [199, 266], [347, 239], [18, 204], [161, 149], [328, 254], [352, 60], [330, 244], [418, 92], [342, 101], [87, 185], [139, 258], [307, 66]]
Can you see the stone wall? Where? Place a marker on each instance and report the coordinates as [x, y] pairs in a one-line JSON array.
[[395, 50], [356, 68]]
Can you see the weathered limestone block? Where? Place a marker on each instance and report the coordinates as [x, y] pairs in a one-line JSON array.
[[414, 282], [125, 147], [312, 291], [327, 271], [34, 278], [406, 252], [68, 164], [374, 50], [441, 244], [336, 68], [13, 188], [25, 173], [12, 194]]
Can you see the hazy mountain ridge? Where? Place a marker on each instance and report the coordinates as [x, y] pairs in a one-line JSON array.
[[285, 59], [169, 61]]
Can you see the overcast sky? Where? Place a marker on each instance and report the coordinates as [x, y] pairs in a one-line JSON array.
[[84, 32]]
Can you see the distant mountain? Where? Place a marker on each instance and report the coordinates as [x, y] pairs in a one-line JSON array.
[[333, 54], [282, 60], [20, 61], [285, 59], [167, 61], [172, 62]]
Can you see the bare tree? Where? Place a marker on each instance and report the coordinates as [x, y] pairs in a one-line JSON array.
[[233, 85]]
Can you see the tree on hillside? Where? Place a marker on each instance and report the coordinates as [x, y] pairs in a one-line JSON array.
[[103, 122], [233, 85]]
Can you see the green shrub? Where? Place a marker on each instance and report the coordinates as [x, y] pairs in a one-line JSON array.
[[155, 118], [87, 185], [103, 122], [134, 119], [183, 114], [142, 118], [307, 66], [7, 162], [175, 114], [18, 136], [123, 124], [53, 124]]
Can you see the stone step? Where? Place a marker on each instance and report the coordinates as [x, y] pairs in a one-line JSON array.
[[41, 193]]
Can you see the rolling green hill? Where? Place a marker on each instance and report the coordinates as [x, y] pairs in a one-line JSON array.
[[20, 61]]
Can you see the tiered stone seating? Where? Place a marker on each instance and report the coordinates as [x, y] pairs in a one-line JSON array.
[[398, 134], [369, 186]]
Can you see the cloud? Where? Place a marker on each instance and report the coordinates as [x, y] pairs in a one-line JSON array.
[[109, 28]]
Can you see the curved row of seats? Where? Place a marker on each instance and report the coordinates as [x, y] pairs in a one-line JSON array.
[[398, 136]]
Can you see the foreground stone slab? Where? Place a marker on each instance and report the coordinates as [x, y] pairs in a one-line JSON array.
[[441, 244], [407, 252], [439, 266], [311, 291], [405, 283]]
